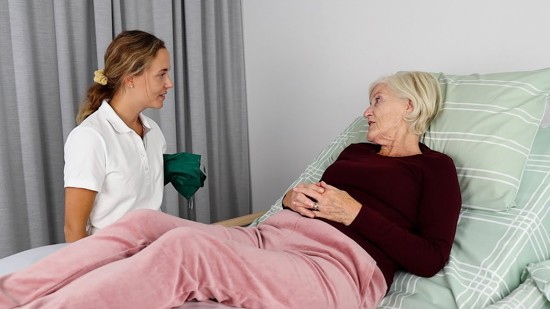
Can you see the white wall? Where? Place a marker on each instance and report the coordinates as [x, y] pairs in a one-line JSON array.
[[309, 64]]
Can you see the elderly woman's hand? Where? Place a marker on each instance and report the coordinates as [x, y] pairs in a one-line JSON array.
[[301, 198], [336, 205], [322, 200]]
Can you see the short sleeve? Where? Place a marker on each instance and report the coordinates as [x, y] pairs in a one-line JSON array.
[[85, 159]]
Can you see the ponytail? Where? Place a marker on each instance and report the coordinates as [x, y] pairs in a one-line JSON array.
[[94, 97]]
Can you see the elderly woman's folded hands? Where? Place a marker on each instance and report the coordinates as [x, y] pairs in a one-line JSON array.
[[322, 200]]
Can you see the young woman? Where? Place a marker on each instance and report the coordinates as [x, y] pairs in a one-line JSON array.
[[113, 158]]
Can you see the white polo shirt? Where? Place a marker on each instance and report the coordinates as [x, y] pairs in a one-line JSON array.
[[104, 155]]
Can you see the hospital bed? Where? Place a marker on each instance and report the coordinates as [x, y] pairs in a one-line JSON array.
[[495, 128]]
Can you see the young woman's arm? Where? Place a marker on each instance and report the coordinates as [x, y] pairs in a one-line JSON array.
[[78, 206]]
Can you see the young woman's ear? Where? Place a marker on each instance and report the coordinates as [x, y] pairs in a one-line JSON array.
[[129, 81]]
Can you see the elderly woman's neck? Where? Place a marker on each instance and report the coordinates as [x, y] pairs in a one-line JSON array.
[[407, 145]]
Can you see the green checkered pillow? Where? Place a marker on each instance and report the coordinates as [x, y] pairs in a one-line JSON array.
[[540, 272], [487, 125]]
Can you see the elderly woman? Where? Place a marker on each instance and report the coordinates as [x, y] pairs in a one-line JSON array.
[[380, 207]]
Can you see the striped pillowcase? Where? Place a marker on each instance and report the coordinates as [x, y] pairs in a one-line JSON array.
[[540, 272], [487, 125]]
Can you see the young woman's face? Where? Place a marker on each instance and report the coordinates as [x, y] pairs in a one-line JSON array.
[[385, 115], [155, 80]]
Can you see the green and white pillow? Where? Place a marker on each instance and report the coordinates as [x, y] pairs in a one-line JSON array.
[[487, 125], [540, 272], [546, 119]]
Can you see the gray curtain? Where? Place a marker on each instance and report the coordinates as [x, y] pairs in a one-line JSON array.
[[49, 50]]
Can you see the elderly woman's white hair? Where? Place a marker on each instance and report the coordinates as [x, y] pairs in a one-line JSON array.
[[422, 89]]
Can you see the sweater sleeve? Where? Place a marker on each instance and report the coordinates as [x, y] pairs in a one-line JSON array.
[[425, 249]]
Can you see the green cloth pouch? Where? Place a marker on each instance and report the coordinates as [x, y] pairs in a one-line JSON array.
[[184, 171]]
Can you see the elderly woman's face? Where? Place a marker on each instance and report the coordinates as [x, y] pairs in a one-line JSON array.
[[385, 115]]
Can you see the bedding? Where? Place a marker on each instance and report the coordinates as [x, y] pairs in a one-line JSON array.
[[485, 117], [25, 258], [501, 255], [540, 274], [491, 251]]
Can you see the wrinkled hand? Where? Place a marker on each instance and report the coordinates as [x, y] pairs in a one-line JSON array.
[[337, 205], [333, 204], [300, 199]]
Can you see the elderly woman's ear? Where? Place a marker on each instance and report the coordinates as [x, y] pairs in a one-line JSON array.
[[410, 107]]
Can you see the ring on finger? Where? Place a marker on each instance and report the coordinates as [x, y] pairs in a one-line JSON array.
[[316, 207]]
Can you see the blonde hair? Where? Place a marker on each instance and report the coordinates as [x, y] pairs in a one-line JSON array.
[[130, 53], [422, 89]]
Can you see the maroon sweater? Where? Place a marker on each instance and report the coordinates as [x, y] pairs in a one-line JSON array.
[[410, 206]]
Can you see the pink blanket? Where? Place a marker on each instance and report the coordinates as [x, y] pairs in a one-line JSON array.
[[149, 259]]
